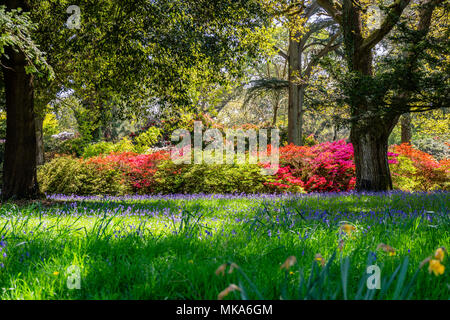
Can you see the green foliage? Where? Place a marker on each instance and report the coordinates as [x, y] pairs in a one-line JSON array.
[[87, 123], [405, 175], [323, 283], [209, 178], [67, 175], [95, 149], [309, 141], [15, 31], [50, 125], [2, 145], [147, 139], [70, 147], [104, 147]]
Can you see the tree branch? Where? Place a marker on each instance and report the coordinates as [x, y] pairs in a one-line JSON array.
[[315, 27], [393, 16], [281, 52], [328, 48], [311, 10], [333, 9]]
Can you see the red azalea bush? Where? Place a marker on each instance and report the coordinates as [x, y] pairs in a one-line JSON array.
[[284, 181], [325, 167], [138, 169]]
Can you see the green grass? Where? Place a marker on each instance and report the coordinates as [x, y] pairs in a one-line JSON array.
[[170, 247]]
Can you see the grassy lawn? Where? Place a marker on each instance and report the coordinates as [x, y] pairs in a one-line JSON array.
[[169, 247]]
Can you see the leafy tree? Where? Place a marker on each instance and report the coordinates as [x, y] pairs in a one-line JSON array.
[[310, 38], [133, 55], [379, 91]]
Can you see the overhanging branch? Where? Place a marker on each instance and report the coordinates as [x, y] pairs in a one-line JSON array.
[[393, 16], [333, 9]]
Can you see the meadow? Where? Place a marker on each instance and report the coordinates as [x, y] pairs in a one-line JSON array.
[[291, 246]]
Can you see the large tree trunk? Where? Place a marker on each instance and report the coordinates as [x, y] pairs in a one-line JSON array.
[[369, 135], [296, 94], [19, 179], [406, 128], [19, 168], [370, 144]]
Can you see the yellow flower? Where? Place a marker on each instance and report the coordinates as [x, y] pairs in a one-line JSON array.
[[290, 261], [291, 273], [318, 257], [439, 254], [55, 273], [347, 228], [436, 267], [232, 287], [191, 261]]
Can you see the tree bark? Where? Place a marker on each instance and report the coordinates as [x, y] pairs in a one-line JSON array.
[[39, 121], [19, 168], [370, 145], [406, 128], [19, 178], [296, 94], [275, 109]]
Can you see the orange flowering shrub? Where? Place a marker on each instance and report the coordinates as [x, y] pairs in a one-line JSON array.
[[418, 171]]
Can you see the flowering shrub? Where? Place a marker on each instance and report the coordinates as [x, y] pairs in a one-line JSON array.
[[137, 169], [324, 167], [418, 171], [284, 181]]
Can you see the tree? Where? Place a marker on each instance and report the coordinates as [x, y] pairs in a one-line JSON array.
[[125, 54], [378, 99], [310, 38], [298, 74], [20, 58]]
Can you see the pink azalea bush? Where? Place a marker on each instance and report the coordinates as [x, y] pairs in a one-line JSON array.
[[324, 167]]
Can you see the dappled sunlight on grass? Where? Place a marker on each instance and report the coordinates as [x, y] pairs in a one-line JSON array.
[[160, 248]]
